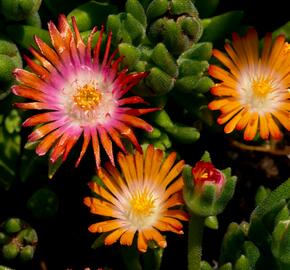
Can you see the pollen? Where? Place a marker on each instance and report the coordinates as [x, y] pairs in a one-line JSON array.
[[142, 204], [204, 175], [261, 87], [87, 97]]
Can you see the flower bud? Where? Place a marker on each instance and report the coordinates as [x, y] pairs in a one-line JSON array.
[[4, 239], [28, 236], [135, 8], [12, 225], [91, 14], [26, 253], [10, 251], [226, 266], [242, 263], [207, 190], [18, 10]]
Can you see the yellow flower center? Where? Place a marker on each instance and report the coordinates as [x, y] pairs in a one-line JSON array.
[[142, 204], [261, 87], [87, 97]]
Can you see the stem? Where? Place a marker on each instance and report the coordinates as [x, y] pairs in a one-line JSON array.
[[269, 148], [195, 233], [131, 258]]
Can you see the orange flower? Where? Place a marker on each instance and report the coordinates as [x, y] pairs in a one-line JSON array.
[[140, 199], [253, 92], [81, 92]]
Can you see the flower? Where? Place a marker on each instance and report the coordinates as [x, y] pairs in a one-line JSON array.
[[205, 173], [253, 92], [140, 199], [81, 93]]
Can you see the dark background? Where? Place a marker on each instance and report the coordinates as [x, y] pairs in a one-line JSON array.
[[64, 241]]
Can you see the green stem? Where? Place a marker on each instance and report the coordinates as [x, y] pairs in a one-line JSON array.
[[131, 258], [196, 225]]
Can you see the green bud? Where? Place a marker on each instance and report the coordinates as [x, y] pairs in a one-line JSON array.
[[8, 48], [26, 253], [28, 236], [211, 190], [252, 253], [173, 37], [114, 25], [163, 142], [281, 243], [184, 134], [232, 243], [10, 251], [189, 67], [200, 51], [245, 227], [132, 26], [242, 264], [205, 266], [23, 35], [156, 9], [91, 14], [227, 266], [220, 26], [261, 194], [4, 239], [187, 84], [164, 60], [18, 10], [204, 84], [12, 225], [131, 53], [191, 27], [160, 82], [6, 67], [162, 119], [33, 20], [136, 9], [183, 7], [155, 134], [211, 222]]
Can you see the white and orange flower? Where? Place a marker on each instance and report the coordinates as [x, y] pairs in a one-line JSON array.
[[254, 88], [82, 93], [141, 200]]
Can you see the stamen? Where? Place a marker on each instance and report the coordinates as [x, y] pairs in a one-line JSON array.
[[142, 204], [87, 97], [261, 87]]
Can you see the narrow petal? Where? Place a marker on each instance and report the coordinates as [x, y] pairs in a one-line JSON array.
[[114, 236], [106, 143], [96, 147], [127, 237], [141, 242], [106, 226]]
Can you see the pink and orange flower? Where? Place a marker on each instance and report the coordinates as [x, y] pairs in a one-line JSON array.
[[254, 90], [142, 199], [81, 93]]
